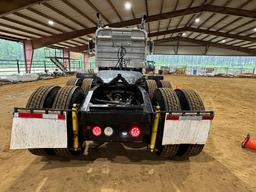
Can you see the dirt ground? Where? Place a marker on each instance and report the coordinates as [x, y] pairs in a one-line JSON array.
[[222, 166]]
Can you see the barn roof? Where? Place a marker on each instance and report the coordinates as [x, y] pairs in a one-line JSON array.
[[176, 26]]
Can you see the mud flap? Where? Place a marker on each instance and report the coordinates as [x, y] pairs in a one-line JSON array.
[[186, 128], [38, 130]]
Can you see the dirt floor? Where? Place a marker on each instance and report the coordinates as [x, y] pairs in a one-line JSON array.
[[222, 166]]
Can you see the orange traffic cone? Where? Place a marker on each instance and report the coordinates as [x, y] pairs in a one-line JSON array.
[[249, 143]]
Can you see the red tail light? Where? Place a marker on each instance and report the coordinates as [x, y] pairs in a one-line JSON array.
[[135, 131], [96, 131]]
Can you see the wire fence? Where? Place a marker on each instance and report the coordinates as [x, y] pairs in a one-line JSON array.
[[195, 65], [8, 67], [206, 71]]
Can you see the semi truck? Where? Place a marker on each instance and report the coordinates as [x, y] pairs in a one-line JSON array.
[[117, 104]]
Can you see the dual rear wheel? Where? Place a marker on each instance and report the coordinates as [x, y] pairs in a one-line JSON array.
[[55, 97], [85, 84], [176, 100], [64, 99], [42, 97]]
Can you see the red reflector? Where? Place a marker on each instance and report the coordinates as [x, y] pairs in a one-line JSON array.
[[96, 131], [61, 116], [30, 115], [135, 132], [169, 117], [208, 117]]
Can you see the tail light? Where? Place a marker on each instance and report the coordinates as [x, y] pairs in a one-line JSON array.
[[96, 131], [135, 132]]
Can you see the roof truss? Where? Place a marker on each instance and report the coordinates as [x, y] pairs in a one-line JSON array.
[[203, 31], [45, 41], [206, 43], [6, 7]]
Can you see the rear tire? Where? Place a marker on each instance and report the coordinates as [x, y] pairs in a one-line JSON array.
[[74, 82], [42, 97], [165, 84], [151, 87], [167, 99], [65, 98], [189, 100], [86, 85]]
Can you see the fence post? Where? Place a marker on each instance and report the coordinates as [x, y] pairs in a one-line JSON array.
[[28, 53], [18, 66]]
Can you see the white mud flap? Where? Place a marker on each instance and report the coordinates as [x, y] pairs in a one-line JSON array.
[[38, 130], [186, 128]]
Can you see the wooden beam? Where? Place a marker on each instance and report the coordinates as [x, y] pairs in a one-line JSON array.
[[181, 19], [42, 42], [205, 43], [76, 42], [56, 46], [8, 7], [70, 35], [235, 28], [203, 31], [13, 35], [226, 16], [79, 49], [72, 43], [166, 32], [133, 14], [230, 23], [224, 5], [65, 44], [240, 26], [37, 21], [79, 11], [250, 45], [50, 18], [11, 38], [161, 10], [230, 11], [146, 5], [241, 43], [174, 45], [114, 8], [190, 21], [53, 19], [28, 33], [97, 10], [64, 15], [83, 39], [249, 29], [189, 24], [170, 20], [27, 25]]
